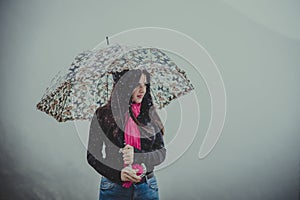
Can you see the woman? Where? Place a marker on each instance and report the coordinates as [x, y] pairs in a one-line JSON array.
[[126, 140]]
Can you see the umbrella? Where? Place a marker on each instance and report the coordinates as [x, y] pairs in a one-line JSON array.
[[88, 83]]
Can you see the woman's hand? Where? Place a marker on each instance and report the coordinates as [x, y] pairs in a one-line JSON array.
[[129, 174], [128, 152]]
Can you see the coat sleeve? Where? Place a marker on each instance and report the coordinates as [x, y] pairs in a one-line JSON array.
[[154, 157], [95, 155]]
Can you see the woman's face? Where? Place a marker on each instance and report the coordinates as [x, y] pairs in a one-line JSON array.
[[139, 92]]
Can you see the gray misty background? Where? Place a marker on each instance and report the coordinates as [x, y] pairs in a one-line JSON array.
[[256, 45]]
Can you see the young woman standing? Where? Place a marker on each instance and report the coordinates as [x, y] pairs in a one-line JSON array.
[[126, 140]]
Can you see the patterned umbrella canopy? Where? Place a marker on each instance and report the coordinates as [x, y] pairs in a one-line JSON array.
[[87, 84]]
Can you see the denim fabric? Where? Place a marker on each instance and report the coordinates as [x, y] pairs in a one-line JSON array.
[[144, 191]]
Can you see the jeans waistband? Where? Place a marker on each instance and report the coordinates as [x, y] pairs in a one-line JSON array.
[[146, 177]]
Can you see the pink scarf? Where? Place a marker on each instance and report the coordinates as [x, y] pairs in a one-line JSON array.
[[132, 137]]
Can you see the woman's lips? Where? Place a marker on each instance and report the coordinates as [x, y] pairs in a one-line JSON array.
[[139, 96]]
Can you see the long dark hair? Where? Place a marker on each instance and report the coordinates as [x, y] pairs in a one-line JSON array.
[[120, 102]]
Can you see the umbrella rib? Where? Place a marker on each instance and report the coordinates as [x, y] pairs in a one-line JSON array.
[[153, 94], [107, 87], [64, 102], [120, 110]]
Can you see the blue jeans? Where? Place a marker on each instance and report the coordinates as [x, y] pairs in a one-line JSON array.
[[143, 191]]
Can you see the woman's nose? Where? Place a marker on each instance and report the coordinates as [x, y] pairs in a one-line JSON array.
[[142, 89]]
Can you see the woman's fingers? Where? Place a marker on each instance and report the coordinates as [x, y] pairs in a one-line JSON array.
[[127, 151], [131, 174], [130, 178], [127, 146], [128, 156], [130, 170], [127, 162], [133, 177]]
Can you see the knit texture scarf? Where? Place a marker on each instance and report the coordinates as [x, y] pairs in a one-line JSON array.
[[132, 137]]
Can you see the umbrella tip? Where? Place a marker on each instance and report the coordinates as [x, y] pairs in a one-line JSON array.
[[107, 42]]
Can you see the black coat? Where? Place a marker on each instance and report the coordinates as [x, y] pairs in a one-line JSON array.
[[110, 163]]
